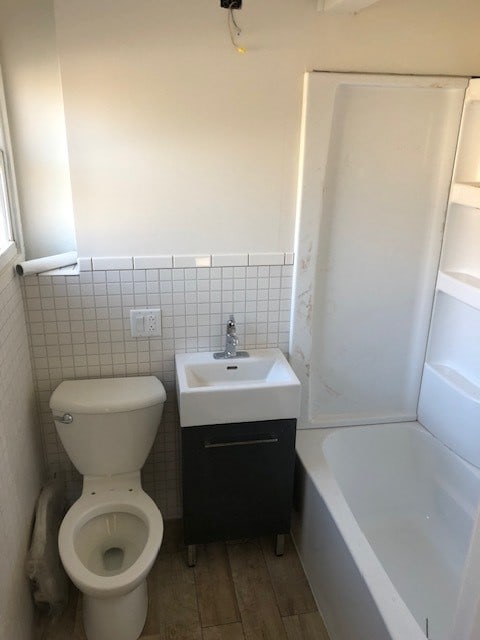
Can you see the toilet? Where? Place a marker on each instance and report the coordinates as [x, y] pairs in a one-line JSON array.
[[110, 537]]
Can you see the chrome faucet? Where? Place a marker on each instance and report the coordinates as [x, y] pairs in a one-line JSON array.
[[231, 342], [232, 339]]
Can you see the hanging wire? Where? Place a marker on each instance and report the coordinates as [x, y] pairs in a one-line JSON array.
[[233, 28]]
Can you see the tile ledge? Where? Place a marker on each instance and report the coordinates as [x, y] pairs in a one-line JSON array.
[[184, 261]]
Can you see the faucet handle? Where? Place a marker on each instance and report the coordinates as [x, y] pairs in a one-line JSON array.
[[231, 321]]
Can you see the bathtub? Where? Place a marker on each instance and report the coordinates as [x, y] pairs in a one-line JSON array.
[[382, 523]]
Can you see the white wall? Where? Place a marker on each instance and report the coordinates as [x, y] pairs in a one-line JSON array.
[[176, 143], [20, 461], [29, 60]]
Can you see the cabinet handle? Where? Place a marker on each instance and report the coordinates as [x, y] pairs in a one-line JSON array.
[[239, 443]]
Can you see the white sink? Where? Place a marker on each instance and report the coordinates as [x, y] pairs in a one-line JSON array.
[[260, 387]]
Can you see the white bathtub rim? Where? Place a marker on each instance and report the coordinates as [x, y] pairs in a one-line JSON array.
[[396, 615], [348, 420], [329, 426]]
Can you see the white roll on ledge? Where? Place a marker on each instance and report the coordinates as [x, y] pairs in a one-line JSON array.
[[39, 265]]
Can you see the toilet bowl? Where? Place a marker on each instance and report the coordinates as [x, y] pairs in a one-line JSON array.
[[110, 537], [108, 542]]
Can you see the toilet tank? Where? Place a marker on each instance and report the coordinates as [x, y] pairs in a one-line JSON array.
[[108, 426]]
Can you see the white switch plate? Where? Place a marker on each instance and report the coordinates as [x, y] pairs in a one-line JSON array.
[[145, 323]]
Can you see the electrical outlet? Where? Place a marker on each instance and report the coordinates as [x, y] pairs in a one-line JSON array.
[[231, 4], [145, 323]]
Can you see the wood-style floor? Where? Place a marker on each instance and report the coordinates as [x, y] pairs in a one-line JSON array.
[[237, 591]]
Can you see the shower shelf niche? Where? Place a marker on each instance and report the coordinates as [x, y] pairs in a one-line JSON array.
[[461, 286], [455, 342], [451, 375], [447, 375], [467, 194], [449, 403], [459, 273], [446, 395]]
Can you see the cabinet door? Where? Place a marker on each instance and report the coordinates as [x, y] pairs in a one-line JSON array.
[[237, 479]]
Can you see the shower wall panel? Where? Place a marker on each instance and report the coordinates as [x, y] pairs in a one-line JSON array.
[[378, 154]]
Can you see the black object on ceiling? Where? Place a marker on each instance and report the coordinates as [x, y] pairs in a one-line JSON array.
[[231, 4]]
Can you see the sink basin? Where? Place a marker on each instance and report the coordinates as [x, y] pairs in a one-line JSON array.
[[260, 387]]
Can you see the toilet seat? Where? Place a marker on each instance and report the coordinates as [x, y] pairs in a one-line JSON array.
[[115, 500]]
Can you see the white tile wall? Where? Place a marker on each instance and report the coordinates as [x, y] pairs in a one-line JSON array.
[[151, 262], [192, 261], [180, 261], [101, 264], [257, 259], [79, 328], [230, 260], [21, 461]]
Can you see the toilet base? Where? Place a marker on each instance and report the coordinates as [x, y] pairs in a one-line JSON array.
[[119, 618]]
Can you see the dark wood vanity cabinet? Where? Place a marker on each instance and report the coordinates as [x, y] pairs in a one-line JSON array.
[[237, 480]]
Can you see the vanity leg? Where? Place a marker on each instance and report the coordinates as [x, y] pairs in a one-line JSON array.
[[191, 555], [279, 544]]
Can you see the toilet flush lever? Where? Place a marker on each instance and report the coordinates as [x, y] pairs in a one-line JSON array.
[[67, 418]]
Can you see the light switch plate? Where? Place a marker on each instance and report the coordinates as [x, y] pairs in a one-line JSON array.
[[145, 323]]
